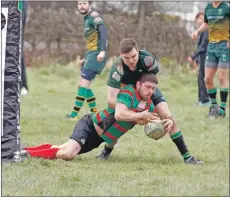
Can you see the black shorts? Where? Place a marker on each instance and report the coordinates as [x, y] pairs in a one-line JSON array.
[[85, 134], [157, 97]]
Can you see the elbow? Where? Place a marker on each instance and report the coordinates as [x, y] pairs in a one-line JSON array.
[[118, 116], [111, 103]]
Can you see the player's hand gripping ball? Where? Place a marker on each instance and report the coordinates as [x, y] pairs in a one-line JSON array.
[[155, 129]]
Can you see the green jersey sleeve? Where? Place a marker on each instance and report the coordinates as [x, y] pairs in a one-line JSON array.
[[116, 74], [149, 62], [126, 96], [205, 15], [96, 19]]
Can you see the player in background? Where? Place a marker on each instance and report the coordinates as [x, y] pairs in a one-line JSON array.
[[216, 20], [95, 58]]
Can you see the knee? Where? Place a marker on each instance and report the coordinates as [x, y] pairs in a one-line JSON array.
[[66, 154], [111, 103], [208, 79], [222, 79]]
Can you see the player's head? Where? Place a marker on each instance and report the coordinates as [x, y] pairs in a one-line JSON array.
[[199, 18], [83, 6], [146, 85], [129, 52]]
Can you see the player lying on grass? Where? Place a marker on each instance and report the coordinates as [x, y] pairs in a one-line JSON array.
[[127, 69], [133, 106]]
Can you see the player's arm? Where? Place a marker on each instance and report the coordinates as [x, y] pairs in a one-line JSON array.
[[113, 85], [122, 107], [202, 28], [99, 24], [103, 37]]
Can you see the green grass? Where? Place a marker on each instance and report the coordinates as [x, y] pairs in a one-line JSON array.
[[139, 166]]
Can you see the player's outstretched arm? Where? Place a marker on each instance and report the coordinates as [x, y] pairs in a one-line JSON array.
[[202, 28]]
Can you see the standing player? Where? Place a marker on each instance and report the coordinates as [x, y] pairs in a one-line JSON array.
[[216, 20], [133, 106], [95, 57], [127, 69]]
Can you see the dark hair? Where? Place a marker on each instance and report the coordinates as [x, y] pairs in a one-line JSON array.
[[127, 44], [148, 77], [199, 14], [90, 2]]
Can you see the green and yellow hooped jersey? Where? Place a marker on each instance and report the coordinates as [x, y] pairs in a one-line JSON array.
[[218, 22], [91, 33]]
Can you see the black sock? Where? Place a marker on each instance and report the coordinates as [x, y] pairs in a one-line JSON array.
[[212, 95], [223, 98], [108, 148], [178, 139]]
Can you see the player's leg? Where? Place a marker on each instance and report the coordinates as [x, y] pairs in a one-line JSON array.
[[65, 151], [90, 96], [62, 146], [106, 152], [176, 135], [83, 139], [223, 76], [97, 68], [82, 93], [69, 151], [210, 71]]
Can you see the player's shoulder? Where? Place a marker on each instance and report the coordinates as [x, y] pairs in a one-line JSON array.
[[94, 14], [118, 66], [144, 52], [146, 58], [209, 5], [226, 5]]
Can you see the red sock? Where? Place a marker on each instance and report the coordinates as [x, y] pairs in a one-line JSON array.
[[49, 153], [39, 147]]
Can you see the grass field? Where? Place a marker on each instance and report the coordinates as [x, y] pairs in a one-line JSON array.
[[139, 166]]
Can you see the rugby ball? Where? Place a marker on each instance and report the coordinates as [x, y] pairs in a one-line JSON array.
[[155, 129]]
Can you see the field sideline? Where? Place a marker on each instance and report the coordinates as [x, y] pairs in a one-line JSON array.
[[139, 166]]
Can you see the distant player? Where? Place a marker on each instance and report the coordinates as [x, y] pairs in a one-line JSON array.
[[133, 106], [95, 58], [216, 20], [127, 69]]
